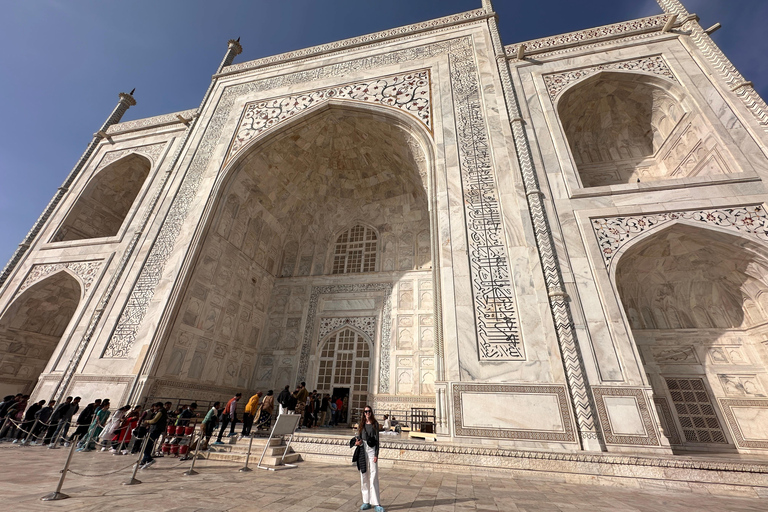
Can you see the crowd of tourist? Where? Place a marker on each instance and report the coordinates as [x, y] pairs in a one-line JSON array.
[[97, 426]]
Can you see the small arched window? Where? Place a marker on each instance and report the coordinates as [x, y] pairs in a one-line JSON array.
[[355, 251]]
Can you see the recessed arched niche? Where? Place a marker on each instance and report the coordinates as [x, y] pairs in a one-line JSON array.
[[628, 127], [696, 300], [106, 200], [32, 326]]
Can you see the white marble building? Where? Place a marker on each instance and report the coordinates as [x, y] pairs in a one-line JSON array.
[[558, 245]]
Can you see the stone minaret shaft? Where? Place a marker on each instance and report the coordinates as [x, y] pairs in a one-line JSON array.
[[575, 372], [125, 102], [233, 50]]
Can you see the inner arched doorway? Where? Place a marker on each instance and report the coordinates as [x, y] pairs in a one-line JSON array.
[[345, 368], [31, 328], [697, 303]]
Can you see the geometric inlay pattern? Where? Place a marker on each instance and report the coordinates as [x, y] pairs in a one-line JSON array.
[[695, 411], [614, 232], [650, 439], [556, 82], [728, 405], [364, 324], [409, 92], [568, 435]]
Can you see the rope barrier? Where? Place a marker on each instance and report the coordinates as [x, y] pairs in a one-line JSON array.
[[101, 474]]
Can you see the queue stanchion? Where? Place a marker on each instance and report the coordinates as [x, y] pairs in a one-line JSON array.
[[122, 443], [29, 433], [191, 471], [245, 468], [57, 494], [134, 480], [4, 428], [55, 441]]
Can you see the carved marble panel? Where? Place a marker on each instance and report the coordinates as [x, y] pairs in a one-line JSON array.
[[655, 64], [613, 233], [409, 92]]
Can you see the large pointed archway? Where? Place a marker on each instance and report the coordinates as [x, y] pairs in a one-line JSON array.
[[106, 200], [697, 303], [339, 181], [31, 328]]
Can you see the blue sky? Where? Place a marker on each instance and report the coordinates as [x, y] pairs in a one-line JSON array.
[[62, 62]]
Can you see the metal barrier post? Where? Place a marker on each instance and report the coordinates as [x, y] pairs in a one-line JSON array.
[[245, 468], [54, 444], [57, 494], [29, 434], [134, 480], [4, 428], [122, 443], [191, 471]]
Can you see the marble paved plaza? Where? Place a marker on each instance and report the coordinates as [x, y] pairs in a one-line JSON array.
[[26, 474]]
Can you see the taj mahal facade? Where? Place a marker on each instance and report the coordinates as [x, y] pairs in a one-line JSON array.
[[557, 245]]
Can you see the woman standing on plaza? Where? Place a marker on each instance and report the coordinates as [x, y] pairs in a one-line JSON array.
[[368, 440]]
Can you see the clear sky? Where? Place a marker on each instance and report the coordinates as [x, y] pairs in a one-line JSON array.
[[62, 62]]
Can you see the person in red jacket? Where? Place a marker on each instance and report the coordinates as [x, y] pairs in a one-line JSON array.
[[124, 432]]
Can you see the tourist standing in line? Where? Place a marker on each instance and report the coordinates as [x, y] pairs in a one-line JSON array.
[[267, 407], [368, 438], [229, 415], [301, 400], [282, 400], [29, 420], [98, 423], [84, 420], [61, 419], [44, 417], [210, 421], [157, 426], [251, 410], [323, 410]]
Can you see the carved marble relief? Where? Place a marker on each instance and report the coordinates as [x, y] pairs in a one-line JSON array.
[[410, 92], [85, 270], [613, 233], [655, 64]]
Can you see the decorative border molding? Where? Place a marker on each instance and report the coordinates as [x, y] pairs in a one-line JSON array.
[[410, 92], [364, 324], [153, 151], [477, 452], [497, 326], [151, 122], [386, 326], [592, 35], [569, 436], [86, 271], [654, 64], [346, 44], [652, 439], [727, 405], [613, 233]]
